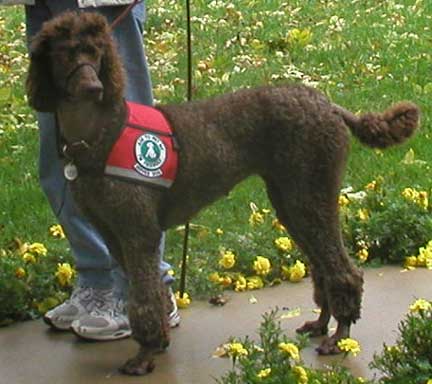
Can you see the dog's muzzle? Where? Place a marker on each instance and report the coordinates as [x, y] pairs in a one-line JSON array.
[[87, 87]]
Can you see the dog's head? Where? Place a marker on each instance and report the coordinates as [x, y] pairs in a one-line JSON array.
[[74, 57]]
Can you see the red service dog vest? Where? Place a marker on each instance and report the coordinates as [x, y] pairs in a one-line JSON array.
[[145, 152]]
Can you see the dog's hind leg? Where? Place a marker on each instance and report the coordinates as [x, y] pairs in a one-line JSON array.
[[146, 298], [309, 211], [318, 327]]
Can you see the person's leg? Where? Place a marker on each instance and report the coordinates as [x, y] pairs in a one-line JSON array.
[[93, 261]]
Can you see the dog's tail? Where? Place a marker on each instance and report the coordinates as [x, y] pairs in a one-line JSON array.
[[382, 130]]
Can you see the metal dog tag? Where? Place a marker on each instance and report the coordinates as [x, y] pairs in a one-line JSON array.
[[70, 171]]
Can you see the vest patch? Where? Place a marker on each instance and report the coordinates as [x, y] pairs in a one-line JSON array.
[[145, 151]]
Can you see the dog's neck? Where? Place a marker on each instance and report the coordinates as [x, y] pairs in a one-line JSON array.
[[93, 124], [80, 121]]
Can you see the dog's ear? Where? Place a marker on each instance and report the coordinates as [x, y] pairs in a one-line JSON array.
[[40, 87], [111, 73]]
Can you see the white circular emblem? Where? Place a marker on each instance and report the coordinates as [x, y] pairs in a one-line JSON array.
[[150, 151], [70, 171]]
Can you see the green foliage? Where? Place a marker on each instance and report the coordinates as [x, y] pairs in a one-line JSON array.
[[246, 243], [28, 284], [409, 360], [390, 226], [282, 368]]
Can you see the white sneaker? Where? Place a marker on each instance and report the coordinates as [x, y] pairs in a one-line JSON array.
[[82, 301], [173, 313], [110, 321]]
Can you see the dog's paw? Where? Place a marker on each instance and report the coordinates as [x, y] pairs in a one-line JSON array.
[[313, 329], [329, 347], [138, 366]]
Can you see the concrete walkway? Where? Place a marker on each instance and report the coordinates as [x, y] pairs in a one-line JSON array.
[[32, 354]]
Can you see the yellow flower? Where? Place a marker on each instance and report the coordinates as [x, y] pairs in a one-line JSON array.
[[225, 281], [349, 345], [301, 374], [410, 261], [291, 350], [20, 272], [219, 231], [214, 277], [285, 244], [29, 258], [420, 305], [363, 254], [424, 259], [254, 282], [363, 214], [429, 381], [64, 274], [409, 193], [256, 218], [419, 198], [300, 37], [38, 249], [264, 373], [237, 350], [343, 201], [296, 272], [393, 349], [423, 200], [227, 260], [371, 186], [57, 231], [262, 266], [182, 302], [276, 224], [256, 44], [240, 284]]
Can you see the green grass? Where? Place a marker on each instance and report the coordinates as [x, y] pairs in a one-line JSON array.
[[364, 55]]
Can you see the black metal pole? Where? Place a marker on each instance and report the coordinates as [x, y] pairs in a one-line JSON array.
[[189, 98]]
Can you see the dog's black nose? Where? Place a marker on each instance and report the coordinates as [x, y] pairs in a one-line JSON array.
[[93, 91]]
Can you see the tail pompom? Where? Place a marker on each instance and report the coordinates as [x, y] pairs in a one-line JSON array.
[[393, 126]]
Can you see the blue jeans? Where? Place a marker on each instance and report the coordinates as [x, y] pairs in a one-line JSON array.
[[96, 268]]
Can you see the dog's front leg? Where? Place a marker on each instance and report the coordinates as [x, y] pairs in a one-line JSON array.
[[146, 304]]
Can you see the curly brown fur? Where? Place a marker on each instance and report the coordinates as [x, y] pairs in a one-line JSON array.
[[291, 136]]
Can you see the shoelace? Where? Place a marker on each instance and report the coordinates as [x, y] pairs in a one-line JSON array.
[[108, 304], [93, 299]]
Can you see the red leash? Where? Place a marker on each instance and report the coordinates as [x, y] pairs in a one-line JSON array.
[[124, 13]]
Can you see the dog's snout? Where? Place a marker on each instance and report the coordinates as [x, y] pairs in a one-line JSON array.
[[85, 84], [93, 91]]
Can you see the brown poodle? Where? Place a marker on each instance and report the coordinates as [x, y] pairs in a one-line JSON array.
[[291, 136]]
